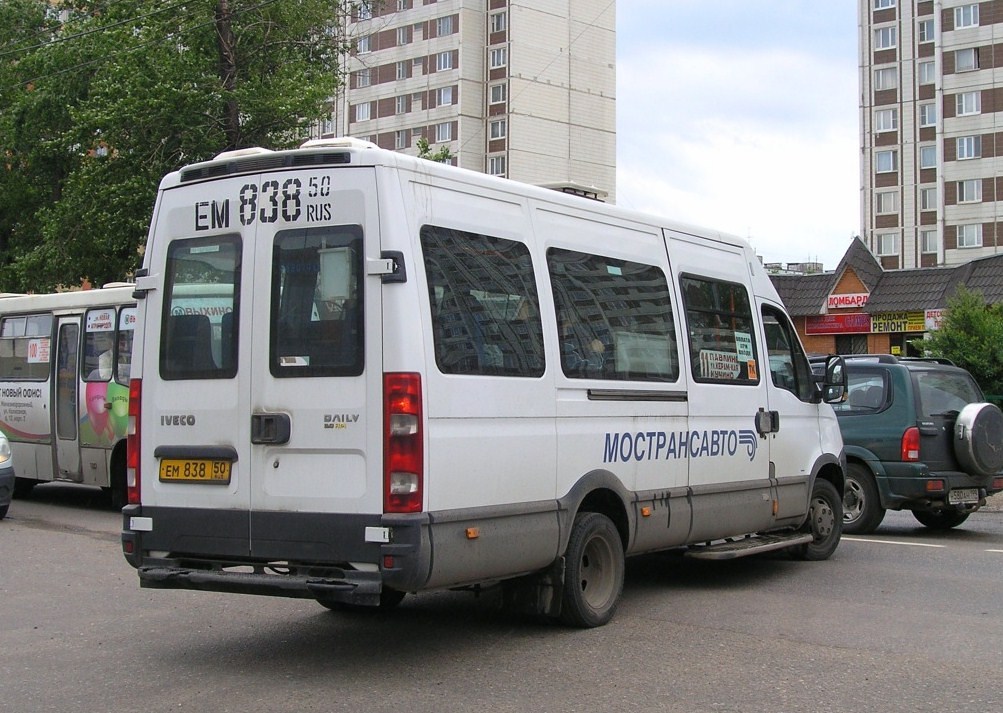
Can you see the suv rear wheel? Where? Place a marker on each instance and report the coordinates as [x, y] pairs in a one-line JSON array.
[[940, 519], [862, 511]]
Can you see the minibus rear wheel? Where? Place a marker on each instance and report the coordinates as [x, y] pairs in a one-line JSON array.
[[593, 575]]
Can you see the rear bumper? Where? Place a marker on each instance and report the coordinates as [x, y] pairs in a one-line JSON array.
[[300, 555], [914, 486]]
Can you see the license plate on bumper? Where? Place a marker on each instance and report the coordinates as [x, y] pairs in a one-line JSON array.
[[963, 496], [194, 470]]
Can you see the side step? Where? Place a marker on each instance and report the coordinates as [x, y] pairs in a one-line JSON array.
[[750, 545]]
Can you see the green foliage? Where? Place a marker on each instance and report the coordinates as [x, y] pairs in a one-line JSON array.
[[104, 99], [971, 336], [443, 155]]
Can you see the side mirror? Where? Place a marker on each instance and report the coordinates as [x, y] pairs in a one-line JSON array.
[[833, 384]]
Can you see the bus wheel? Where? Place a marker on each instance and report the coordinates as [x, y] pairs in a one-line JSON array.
[[23, 486], [593, 576]]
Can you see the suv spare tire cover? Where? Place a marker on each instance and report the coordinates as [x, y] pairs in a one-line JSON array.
[[978, 439]]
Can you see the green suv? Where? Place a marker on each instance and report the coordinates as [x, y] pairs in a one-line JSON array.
[[918, 436]]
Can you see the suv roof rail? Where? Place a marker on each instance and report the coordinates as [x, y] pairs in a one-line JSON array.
[[880, 358], [933, 360]]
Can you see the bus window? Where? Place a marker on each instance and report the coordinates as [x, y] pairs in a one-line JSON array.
[[123, 351], [99, 344]]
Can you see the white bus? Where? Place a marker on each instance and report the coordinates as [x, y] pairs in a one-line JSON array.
[[65, 361], [423, 377]]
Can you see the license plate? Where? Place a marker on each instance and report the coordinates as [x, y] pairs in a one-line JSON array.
[[194, 470], [963, 495]]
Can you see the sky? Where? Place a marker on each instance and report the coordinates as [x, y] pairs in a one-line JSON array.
[[742, 115]]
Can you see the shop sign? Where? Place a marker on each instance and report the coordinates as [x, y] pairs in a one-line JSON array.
[[934, 318], [893, 322], [852, 323], [854, 300]]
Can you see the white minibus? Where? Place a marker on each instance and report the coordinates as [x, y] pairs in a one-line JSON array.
[[421, 377]]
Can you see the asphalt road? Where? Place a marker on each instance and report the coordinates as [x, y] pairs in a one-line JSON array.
[[904, 620]]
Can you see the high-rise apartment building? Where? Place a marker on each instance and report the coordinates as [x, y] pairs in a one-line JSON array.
[[931, 130], [517, 88]]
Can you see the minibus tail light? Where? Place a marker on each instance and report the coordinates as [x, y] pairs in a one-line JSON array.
[[910, 445], [403, 450], [132, 443]]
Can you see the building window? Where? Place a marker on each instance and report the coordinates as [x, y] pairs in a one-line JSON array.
[[402, 70], [966, 60], [364, 44], [444, 26], [928, 241], [400, 139], [400, 105], [970, 236], [402, 36], [927, 114], [444, 96], [969, 103], [927, 72], [499, 129], [883, 4], [886, 78], [444, 61], [498, 57], [928, 198], [886, 120], [443, 133], [362, 112], [885, 38], [970, 190], [496, 165], [402, 5], [969, 147], [364, 10], [887, 202], [888, 244], [886, 161], [499, 22], [927, 156], [966, 16], [925, 31], [363, 78], [498, 94]]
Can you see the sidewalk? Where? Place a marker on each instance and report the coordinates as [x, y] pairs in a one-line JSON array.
[[994, 503]]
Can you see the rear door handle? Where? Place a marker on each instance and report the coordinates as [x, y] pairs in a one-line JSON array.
[[271, 428]]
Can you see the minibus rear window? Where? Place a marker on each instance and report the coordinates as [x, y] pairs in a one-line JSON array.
[[198, 333], [317, 305]]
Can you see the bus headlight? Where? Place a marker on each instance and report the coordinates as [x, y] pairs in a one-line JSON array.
[[4, 449]]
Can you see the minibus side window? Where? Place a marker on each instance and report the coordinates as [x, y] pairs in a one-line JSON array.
[[614, 318], [721, 331], [24, 347], [485, 306], [317, 302], [198, 328], [789, 366]]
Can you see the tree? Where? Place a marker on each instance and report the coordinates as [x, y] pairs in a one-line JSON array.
[[971, 335], [443, 155], [106, 96]]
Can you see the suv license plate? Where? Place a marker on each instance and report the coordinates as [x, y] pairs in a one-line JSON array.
[[963, 495], [194, 470]]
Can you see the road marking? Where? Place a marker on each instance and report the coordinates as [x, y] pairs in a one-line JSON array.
[[997, 551], [894, 542]]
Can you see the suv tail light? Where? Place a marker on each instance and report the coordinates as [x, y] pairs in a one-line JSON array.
[[910, 444], [403, 452], [132, 443]]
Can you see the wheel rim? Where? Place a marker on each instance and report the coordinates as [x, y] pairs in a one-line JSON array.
[[823, 519], [597, 573], [853, 501]]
